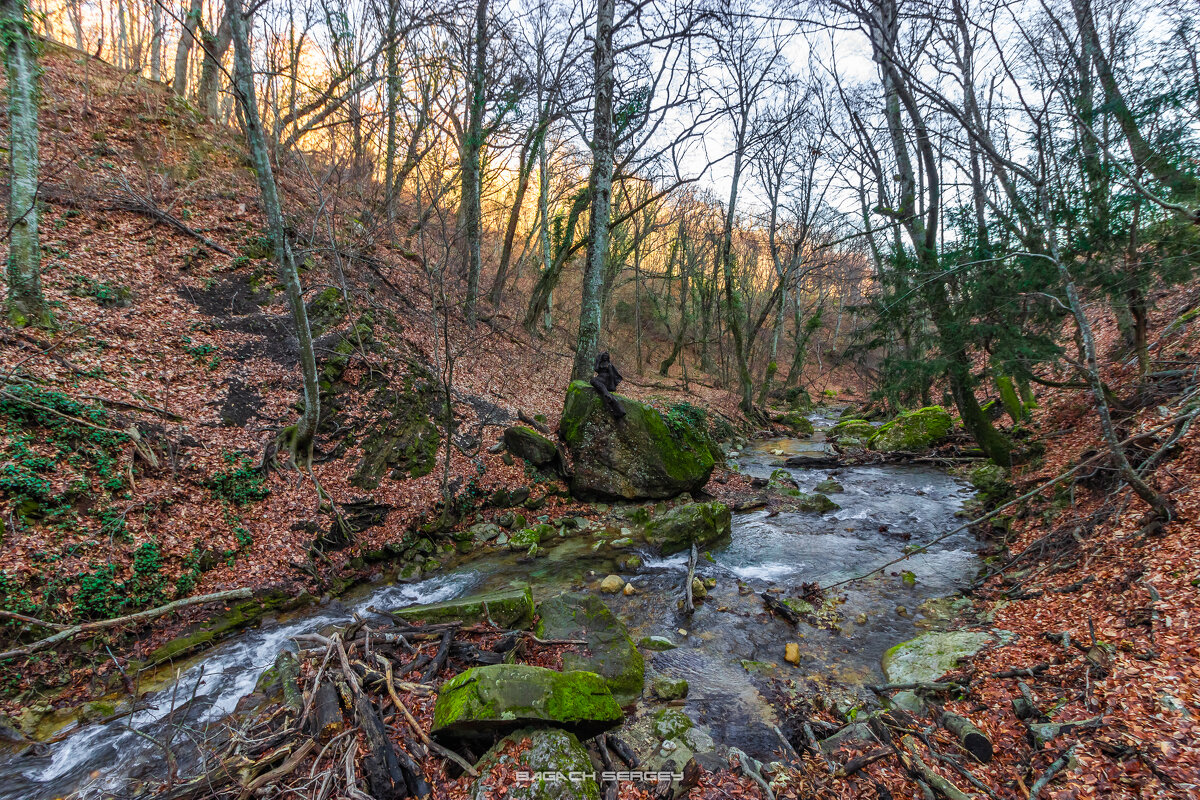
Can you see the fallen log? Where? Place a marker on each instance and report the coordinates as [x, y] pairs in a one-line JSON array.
[[919, 769], [282, 771], [141, 616], [777, 606], [973, 740], [439, 660], [859, 763], [623, 750]]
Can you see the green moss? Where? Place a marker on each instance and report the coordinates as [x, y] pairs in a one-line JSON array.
[[502, 697], [642, 456], [508, 608], [913, 430], [610, 652], [671, 723]]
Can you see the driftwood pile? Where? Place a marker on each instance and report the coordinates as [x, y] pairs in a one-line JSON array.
[[339, 721]]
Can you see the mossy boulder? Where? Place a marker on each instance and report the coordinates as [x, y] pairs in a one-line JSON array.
[[509, 608], [797, 421], [926, 658], [706, 524], [989, 478], [815, 502], [401, 440], [552, 753], [529, 537], [530, 445], [852, 433], [913, 431], [611, 652], [829, 486], [484, 703], [639, 456]]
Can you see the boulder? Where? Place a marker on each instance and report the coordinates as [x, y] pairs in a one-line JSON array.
[[829, 486], [706, 524], [611, 652], [612, 584], [637, 457], [926, 658], [812, 460], [913, 431], [667, 689], [530, 445], [508, 608], [552, 752], [815, 502], [484, 703], [797, 421]]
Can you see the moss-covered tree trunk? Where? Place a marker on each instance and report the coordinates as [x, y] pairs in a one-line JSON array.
[[26, 306], [298, 439], [600, 191]]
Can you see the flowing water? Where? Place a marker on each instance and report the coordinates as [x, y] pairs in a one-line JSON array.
[[729, 650]]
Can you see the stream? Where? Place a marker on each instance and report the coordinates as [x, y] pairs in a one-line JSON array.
[[729, 651]]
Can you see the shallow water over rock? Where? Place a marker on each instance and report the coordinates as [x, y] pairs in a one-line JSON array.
[[730, 650]]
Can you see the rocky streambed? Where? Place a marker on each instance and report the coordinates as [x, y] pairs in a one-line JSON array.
[[735, 657]]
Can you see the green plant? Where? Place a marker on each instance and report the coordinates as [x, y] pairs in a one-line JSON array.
[[682, 416], [201, 352], [108, 295], [242, 483]]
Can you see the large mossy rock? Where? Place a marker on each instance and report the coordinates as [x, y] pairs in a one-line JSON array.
[[530, 445], [913, 431], [401, 439], [484, 703], [536, 750], [637, 457], [926, 658], [706, 524], [612, 654], [852, 433], [797, 421], [508, 608]]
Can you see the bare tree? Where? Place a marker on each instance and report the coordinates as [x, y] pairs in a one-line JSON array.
[[26, 306], [298, 438]]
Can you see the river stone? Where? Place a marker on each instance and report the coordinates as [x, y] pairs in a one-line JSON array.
[[706, 524], [509, 608], [797, 421], [612, 654], [926, 658], [546, 750], [637, 457], [612, 584], [665, 688], [485, 702], [913, 431], [815, 502], [656, 643], [530, 445], [829, 486], [528, 537]]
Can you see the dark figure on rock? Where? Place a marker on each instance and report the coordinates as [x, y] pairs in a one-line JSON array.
[[605, 383]]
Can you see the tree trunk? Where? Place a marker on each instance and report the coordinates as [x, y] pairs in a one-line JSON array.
[[155, 42], [26, 306], [600, 190], [299, 438], [392, 87], [210, 69], [735, 312], [184, 48], [524, 171], [472, 211]]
